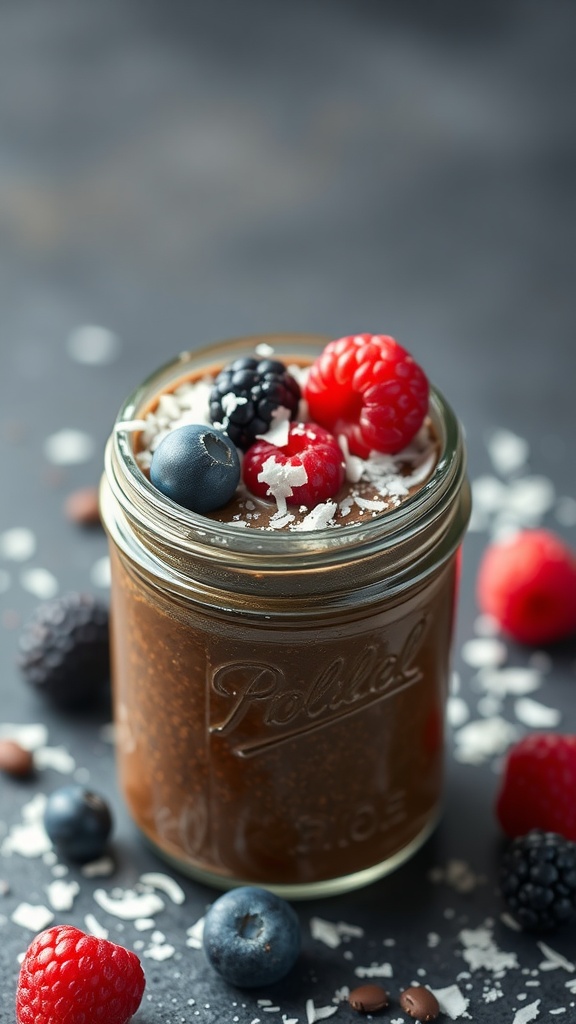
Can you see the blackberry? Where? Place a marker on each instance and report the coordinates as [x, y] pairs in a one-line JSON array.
[[245, 395], [64, 649], [538, 880]]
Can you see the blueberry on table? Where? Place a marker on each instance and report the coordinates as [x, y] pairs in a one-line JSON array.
[[78, 822], [251, 937], [196, 466]]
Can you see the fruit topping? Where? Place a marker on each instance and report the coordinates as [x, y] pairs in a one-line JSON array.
[[538, 786], [251, 937], [72, 977], [369, 388], [196, 466], [78, 822], [527, 583], [64, 649], [307, 470], [538, 880], [246, 395]]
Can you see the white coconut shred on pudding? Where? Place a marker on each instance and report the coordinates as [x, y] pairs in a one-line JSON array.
[[369, 485]]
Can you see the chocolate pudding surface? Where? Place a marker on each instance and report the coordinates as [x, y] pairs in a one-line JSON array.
[[372, 486]]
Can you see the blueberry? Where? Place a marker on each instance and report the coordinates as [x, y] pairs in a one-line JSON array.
[[78, 823], [251, 937], [197, 467]]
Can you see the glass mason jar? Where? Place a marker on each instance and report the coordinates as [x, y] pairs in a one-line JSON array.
[[279, 696]]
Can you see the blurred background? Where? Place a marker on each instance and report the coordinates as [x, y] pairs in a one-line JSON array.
[[173, 173], [183, 171]]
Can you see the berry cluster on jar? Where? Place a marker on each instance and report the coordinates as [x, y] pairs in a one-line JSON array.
[[350, 431]]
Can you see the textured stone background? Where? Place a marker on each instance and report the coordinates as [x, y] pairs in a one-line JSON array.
[[180, 172]]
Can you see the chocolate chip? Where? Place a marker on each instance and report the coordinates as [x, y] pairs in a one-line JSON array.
[[15, 760], [420, 1003], [82, 507], [368, 998]]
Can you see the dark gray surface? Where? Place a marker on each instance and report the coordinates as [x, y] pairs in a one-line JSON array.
[[183, 172]]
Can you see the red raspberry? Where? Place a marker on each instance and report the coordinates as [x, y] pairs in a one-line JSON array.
[[528, 584], [538, 786], [312, 457], [69, 976], [369, 388]]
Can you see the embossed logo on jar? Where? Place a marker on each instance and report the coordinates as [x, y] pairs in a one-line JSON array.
[[345, 685]]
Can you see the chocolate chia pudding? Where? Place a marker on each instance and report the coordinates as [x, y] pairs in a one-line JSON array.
[[280, 674]]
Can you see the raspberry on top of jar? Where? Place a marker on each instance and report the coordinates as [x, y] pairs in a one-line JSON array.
[[277, 446]]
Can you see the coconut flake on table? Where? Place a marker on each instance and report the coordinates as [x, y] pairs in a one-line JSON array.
[[17, 544], [195, 934], [484, 652], [32, 735], [93, 345], [331, 933], [375, 970], [40, 583], [527, 1013], [314, 1013], [29, 837], [93, 927], [458, 875], [554, 960], [100, 868], [61, 894], [32, 916], [508, 452], [535, 715], [69, 447], [57, 758], [451, 1001], [482, 954], [166, 884], [479, 740], [129, 905], [514, 681]]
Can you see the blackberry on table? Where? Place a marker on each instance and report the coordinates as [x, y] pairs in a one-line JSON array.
[[246, 393], [64, 649], [538, 880]]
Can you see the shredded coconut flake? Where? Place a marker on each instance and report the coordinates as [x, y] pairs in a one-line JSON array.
[[484, 652], [507, 451], [527, 1013], [129, 905], [166, 884], [451, 1001], [39, 582], [93, 345], [68, 447], [554, 960], [17, 544], [535, 715], [482, 739], [314, 1013], [93, 927], [34, 917], [61, 894]]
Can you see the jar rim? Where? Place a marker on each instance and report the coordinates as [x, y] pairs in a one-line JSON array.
[[174, 525]]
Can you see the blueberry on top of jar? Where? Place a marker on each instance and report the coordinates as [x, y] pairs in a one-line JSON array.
[[245, 395]]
